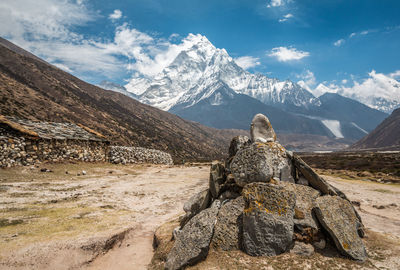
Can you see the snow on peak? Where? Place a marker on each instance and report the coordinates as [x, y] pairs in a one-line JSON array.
[[197, 66]]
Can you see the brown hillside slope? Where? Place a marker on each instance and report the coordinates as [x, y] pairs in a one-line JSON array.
[[386, 135], [33, 89]]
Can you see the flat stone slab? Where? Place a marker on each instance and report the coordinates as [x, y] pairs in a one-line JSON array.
[[267, 219], [260, 162], [193, 241], [227, 232], [338, 217]]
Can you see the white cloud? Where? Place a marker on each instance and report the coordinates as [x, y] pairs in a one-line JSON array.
[[339, 42], [275, 3], [286, 17], [246, 62], [117, 14], [352, 35], [44, 27], [307, 78], [395, 75], [285, 54], [365, 32], [370, 91]]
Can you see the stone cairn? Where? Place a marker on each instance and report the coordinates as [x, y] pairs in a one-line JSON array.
[[265, 201]]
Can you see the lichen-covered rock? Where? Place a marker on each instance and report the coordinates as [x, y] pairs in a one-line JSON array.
[[338, 217], [192, 243], [237, 143], [195, 204], [260, 162], [227, 232], [267, 219], [261, 129], [306, 225], [217, 178]]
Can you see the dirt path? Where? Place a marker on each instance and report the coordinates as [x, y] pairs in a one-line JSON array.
[[73, 216], [379, 204], [105, 218]]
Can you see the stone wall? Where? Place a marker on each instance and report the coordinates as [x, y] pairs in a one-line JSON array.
[[17, 150], [124, 154]]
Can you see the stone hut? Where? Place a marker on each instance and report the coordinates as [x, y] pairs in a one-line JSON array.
[[24, 142]]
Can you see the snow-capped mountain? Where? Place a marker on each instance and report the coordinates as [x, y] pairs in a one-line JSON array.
[[189, 79], [204, 84]]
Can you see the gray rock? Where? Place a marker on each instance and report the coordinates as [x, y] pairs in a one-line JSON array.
[[193, 241], [302, 249], [228, 195], [267, 219], [261, 129], [217, 178], [337, 216], [260, 162], [321, 244], [237, 143], [227, 232], [195, 204]]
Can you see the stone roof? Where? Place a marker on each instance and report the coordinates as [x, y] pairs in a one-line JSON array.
[[52, 130]]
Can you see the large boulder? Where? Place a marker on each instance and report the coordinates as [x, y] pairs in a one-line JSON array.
[[267, 219], [237, 143], [260, 162], [339, 219], [192, 243], [217, 178], [195, 204], [227, 232], [261, 129]]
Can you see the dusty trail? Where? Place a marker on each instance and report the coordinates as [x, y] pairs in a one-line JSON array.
[[73, 218]]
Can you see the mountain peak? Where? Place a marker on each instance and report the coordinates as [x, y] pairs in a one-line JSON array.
[[199, 66]]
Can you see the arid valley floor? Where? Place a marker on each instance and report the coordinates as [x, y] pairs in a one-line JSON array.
[[105, 218]]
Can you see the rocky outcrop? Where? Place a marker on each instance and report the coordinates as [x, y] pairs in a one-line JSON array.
[[267, 219], [192, 243], [337, 216], [125, 154], [272, 202]]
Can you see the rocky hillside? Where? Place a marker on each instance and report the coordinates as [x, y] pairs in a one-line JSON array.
[[386, 135], [33, 89]]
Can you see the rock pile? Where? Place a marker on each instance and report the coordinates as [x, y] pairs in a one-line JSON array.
[[265, 201]]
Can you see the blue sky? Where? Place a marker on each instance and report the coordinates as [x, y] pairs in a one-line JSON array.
[[337, 43]]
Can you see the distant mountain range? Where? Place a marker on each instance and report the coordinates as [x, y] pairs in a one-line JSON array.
[[204, 84], [386, 136], [33, 89]]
